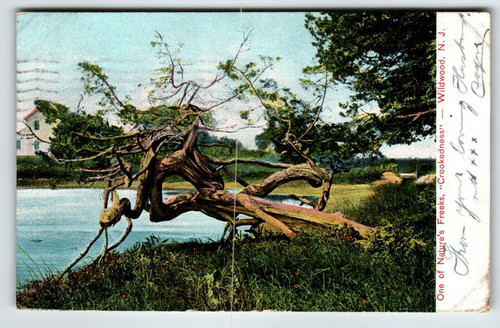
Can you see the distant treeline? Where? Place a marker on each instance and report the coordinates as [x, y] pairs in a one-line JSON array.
[[38, 167], [30, 168], [370, 173], [421, 166]]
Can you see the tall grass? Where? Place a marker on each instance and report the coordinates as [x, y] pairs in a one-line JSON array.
[[329, 271], [310, 273], [36, 271], [405, 205]]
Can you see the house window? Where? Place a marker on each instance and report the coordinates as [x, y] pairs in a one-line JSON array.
[[18, 144], [36, 144], [36, 125]]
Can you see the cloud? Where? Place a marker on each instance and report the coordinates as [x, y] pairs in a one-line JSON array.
[[423, 149]]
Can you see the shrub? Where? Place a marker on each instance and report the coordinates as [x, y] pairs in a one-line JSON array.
[[365, 174], [36, 167], [402, 206]]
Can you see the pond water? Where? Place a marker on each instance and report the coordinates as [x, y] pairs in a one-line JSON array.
[[54, 226]]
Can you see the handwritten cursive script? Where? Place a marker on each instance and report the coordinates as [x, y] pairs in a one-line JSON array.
[[458, 254], [473, 181], [460, 201], [478, 84], [459, 73], [460, 147]]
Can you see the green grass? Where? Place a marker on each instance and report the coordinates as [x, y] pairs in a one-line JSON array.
[[402, 205], [310, 273], [333, 271]]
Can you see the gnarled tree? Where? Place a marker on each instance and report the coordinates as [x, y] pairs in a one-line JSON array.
[[162, 141]]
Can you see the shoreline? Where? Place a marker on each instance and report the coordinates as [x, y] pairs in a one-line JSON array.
[[295, 187]]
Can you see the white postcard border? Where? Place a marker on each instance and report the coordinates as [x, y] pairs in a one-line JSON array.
[[463, 161]]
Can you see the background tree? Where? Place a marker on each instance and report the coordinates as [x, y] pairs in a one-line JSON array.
[[385, 58]]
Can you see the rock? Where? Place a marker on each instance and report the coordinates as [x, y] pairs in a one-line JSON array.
[[426, 179], [388, 177]]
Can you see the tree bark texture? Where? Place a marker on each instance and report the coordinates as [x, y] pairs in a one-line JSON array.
[[241, 208]]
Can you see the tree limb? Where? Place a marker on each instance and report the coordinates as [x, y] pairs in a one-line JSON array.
[[247, 161], [124, 235], [244, 200], [34, 134], [82, 255], [417, 115]]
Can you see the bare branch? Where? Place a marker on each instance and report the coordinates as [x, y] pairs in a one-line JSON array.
[[78, 108], [320, 108], [188, 88], [124, 235], [247, 161], [102, 153], [308, 159], [82, 255], [103, 177], [303, 200], [417, 115], [99, 171], [244, 89], [34, 134], [125, 168], [110, 88], [121, 136], [234, 177]]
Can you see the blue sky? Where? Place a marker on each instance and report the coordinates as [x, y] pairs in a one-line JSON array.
[[120, 42], [50, 45]]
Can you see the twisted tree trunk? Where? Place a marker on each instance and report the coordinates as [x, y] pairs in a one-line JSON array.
[[211, 198]]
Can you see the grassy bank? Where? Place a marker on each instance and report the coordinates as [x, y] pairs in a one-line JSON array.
[[392, 271], [310, 273]]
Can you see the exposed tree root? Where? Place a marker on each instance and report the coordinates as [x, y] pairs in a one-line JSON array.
[[212, 199]]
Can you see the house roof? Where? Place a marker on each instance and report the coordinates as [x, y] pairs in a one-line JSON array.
[[21, 125], [33, 111]]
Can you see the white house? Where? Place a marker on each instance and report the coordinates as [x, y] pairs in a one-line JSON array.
[[33, 124]]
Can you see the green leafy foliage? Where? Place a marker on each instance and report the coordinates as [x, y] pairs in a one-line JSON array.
[[96, 83], [366, 174], [67, 141], [30, 168], [83, 141], [154, 117], [386, 58]]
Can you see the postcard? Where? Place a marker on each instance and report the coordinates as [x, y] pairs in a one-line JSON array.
[[253, 161]]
